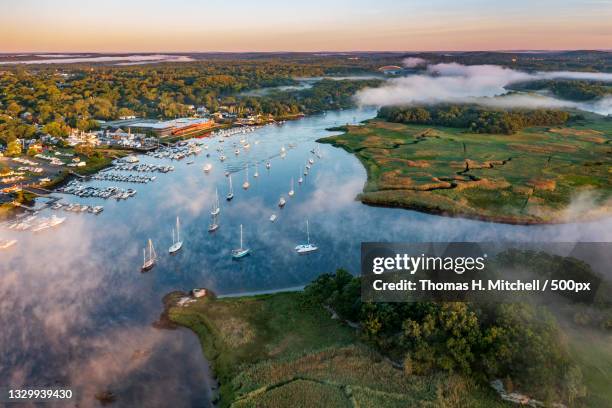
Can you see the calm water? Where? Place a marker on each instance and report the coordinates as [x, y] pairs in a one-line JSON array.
[[75, 308]]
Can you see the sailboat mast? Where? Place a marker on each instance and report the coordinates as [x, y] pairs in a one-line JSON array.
[[231, 187], [240, 236], [307, 232], [178, 234]]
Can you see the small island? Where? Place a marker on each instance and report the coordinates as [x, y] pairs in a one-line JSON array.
[[490, 169]]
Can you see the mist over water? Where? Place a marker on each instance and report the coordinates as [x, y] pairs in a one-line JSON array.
[[477, 84], [75, 310]]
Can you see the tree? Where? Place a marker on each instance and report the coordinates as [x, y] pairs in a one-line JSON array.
[[57, 129], [14, 148]]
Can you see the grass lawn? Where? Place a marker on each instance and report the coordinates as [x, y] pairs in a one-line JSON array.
[[530, 177], [276, 351]]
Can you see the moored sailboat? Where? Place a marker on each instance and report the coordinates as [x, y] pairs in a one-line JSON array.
[[230, 193], [148, 262], [214, 223], [216, 209], [241, 251], [178, 244], [246, 183], [291, 192], [307, 247]]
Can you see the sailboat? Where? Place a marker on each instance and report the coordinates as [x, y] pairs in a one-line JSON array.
[[148, 262], [256, 170], [240, 252], [230, 193], [308, 247], [214, 223], [273, 218], [291, 192], [178, 244], [268, 165], [300, 179], [318, 152], [282, 202], [207, 167], [246, 183], [215, 208]]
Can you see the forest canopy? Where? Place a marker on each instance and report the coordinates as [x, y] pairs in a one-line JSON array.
[[474, 118]]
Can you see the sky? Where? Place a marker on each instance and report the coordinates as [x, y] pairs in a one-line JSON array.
[[313, 25]]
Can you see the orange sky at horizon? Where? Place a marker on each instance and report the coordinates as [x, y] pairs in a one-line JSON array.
[[161, 29]]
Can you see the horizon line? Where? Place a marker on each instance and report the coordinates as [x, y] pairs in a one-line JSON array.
[[15, 53]]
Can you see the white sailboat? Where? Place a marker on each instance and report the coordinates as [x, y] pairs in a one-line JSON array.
[[241, 251], [268, 165], [307, 247], [207, 167], [178, 244], [282, 202], [246, 183], [215, 208], [256, 170], [300, 179], [273, 218], [230, 193], [291, 192], [148, 262], [214, 223]]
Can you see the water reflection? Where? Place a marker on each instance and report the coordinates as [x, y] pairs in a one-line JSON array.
[[76, 310]]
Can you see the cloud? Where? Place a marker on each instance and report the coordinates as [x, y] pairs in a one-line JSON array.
[[479, 84], [120, 60], [412, 62]]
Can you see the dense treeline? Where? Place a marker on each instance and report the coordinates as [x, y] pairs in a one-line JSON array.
[[77, 96], [587, 61], [517, 342], [569, 89], [327, 94], [474, 118]]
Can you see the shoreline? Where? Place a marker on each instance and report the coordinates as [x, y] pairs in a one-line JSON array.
[[365, 197], [491, 219]]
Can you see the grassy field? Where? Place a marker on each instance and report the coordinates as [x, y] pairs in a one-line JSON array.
[[276, 351], [539, 175], [592, 351]]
